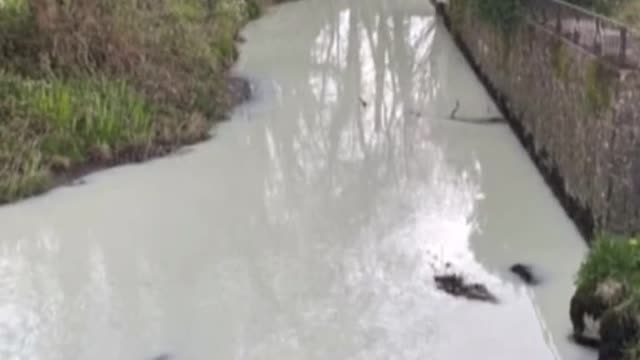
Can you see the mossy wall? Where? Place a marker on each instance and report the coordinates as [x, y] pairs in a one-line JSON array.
[[577, 113]]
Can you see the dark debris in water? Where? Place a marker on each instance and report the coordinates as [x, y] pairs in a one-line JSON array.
[[585, 341], [164, 356], [455, 285], [525, 273]]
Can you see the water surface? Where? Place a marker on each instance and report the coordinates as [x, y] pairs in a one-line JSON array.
[[311, 226]]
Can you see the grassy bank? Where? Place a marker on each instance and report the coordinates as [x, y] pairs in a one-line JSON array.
[[612, 258], [608, 288], [93, 83]]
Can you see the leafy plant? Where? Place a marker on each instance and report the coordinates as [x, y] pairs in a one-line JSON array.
[[611, 257]]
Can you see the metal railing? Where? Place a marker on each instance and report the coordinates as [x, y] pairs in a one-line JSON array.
[[598, 34]]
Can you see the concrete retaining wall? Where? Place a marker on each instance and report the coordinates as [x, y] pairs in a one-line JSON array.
[[576, 114]]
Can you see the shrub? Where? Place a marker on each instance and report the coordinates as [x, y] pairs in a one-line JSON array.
[[611, 257]]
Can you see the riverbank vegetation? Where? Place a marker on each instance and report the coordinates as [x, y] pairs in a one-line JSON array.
[[608, 289], [93, 83], [611, 258]]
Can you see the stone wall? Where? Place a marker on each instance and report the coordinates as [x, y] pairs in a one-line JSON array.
[[576, 114]]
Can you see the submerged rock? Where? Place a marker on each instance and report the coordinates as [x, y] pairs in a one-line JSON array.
[[164, 356], [525, 273], [587, 308], [585, 341], [589, 304], [600, 317], [455, 285], [619, 327]]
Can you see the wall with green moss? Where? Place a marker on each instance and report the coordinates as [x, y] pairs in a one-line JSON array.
[[578, 112]]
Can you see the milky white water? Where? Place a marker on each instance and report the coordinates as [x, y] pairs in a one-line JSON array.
[[311, 225]]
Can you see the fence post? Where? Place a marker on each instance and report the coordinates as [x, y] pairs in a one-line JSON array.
[[543, 11], [559, 19], [596, 33], [623, 44], [576, 28], [211, 6], [597, 39]]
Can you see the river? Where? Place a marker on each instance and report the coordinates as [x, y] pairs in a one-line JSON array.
[[311, 225]]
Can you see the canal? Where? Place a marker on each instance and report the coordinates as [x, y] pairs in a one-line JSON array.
[[313, 222]]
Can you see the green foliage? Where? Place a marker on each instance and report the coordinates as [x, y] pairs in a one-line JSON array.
[[253, 9], [55, 123], [13, 7], [503, 14], [611, 257], [16, 32], [186, 10], [225, 48], [99, 113], [96, 82]]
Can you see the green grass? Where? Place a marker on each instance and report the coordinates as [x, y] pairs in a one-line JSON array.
[[611, 257], [14, 7], [99, 113], [616, 258], [254, 10], [61, 124], [139, 79]]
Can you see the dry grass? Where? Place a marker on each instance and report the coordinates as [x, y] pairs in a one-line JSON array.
[[89, 83]]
